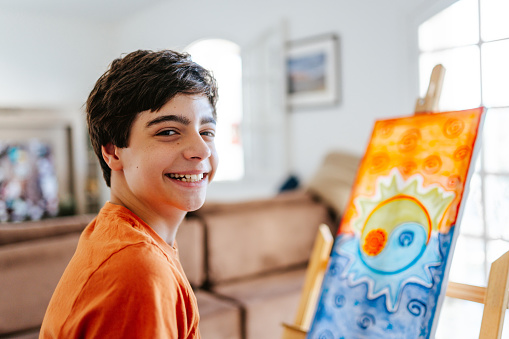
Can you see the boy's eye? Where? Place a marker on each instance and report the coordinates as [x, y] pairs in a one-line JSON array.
[[167, 132], [209, 134]]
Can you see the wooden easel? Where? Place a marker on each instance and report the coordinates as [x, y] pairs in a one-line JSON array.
[[429, 103], [312, 283], [495, 296]]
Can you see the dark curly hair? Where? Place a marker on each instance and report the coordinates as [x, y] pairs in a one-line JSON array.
[[139, 81]]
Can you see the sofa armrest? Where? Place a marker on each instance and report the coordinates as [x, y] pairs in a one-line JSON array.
[[30, 272], [334, 180], [32, 230], [191, 246]]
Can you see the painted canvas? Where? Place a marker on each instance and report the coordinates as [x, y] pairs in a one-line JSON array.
[[387, 273]]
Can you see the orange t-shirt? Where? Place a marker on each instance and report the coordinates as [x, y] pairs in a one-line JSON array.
[[124, 281]]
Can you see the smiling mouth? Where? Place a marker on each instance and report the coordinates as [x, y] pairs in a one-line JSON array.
[[187, 177]]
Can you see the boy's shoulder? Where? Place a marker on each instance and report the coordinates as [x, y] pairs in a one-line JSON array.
[[132, 280], [140, 264], [118, 240], [117, 226]]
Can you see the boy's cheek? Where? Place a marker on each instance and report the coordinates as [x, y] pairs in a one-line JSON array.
[[214, 162]]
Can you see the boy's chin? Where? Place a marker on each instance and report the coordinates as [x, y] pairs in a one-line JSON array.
[[192, 209], [192, 206]]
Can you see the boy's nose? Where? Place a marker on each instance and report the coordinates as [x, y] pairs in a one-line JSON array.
[[197, 148]]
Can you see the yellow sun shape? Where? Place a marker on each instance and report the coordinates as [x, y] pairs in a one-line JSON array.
[[397, 201]]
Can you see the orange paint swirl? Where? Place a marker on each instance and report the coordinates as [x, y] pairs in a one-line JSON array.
[[453, 181], [375, 241], [408, 167], [386, 129], [432, 164], [461, 153], [453, 127], [409, 140], [379, 162]]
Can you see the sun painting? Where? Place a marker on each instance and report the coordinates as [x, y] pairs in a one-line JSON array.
[[392, 251]]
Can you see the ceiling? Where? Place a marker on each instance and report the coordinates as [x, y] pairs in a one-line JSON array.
[[90, 10]]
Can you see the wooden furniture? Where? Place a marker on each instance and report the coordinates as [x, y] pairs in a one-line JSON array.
[[495, 300], [495, 297], [429, 103], [314, 277]]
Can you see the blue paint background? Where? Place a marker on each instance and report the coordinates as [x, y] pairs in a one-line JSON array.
[[345, 312]]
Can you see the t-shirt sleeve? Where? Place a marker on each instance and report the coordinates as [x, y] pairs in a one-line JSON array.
[[136, 293]]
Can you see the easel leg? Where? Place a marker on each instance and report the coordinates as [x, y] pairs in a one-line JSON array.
[[496, 300], [314, 276]]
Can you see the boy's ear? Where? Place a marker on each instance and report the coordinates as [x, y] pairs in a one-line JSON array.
[[109, 153]]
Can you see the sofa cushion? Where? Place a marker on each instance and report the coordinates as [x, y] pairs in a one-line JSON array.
[[334, 180], [30, 272], [31, 230], [247, 239], [267, 301], [219, 318], [191, 245], [284, 198], [31, 334]]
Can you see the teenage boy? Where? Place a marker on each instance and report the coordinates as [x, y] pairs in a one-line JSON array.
[[151, 120]]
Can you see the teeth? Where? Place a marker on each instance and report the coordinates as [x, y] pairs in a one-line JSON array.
[[187, 177]]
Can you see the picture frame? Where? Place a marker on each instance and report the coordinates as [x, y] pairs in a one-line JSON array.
[[313, 71], [22, 129]]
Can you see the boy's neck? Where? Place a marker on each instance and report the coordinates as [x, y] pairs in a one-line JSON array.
[[165, 226]]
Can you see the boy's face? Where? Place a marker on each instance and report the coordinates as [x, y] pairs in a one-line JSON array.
[[171, 156]]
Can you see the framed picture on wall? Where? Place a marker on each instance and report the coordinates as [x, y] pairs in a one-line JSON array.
[[36, 169], [313, 71]]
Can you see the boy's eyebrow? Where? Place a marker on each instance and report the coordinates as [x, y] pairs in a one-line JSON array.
[[180, 119], [208, 120], [177, 118]]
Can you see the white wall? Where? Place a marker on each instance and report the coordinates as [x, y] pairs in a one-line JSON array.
[[54, 61], [49, 61]]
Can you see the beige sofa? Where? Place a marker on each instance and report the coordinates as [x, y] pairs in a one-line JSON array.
[[245, 260]]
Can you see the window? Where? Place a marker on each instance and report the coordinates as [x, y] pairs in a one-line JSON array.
[[223, 58], [471, 39]]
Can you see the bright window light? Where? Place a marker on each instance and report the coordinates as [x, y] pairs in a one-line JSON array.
[[494, 23], [475, 54], [496, 155], [457, 25], [462, 82], [495, 65], [223, 58]]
